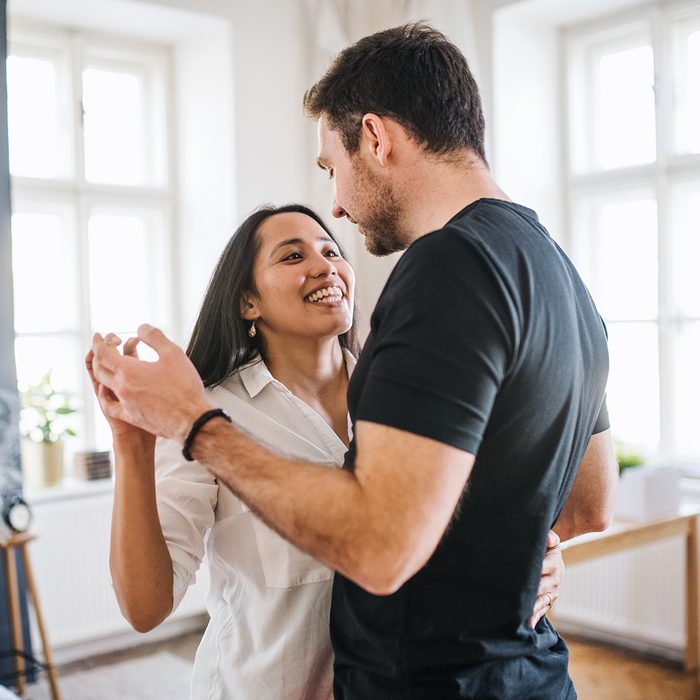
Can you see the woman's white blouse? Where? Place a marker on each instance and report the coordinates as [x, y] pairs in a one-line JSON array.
[[268, 636]]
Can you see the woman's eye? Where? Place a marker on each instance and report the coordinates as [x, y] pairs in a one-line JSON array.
[[333, 253], [293, 256]]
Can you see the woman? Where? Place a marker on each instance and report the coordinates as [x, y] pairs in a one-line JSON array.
[[274, 344]]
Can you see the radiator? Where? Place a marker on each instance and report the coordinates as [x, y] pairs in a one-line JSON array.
[[70, 559], [635, 598]]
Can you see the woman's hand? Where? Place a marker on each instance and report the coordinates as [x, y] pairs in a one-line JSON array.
[[109, 402], [550, 580]]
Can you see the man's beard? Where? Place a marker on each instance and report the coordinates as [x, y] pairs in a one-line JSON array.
[[380, 224]]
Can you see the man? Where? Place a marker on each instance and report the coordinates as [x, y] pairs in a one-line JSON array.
[[477, 402]]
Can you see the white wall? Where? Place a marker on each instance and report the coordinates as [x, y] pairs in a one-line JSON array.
[[205, 172], [526, 140]]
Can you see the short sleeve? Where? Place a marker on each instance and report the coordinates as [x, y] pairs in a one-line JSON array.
[[602, 422], [186, 495], [442, 341]]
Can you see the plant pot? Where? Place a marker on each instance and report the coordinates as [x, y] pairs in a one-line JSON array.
[[648, 492], [42, 463]]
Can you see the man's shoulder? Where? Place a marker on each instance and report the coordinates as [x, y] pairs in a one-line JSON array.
[[477, 227]]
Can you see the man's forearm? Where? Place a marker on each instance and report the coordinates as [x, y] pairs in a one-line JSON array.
[[377, 525], [579, 517], [567, 526], [321, 510]]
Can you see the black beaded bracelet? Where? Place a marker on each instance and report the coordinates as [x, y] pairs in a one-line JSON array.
[[197, 426]]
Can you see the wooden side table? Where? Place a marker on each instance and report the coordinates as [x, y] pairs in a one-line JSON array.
[[622, 535], [18, 542]]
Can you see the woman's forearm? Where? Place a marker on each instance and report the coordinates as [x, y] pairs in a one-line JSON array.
[[140, 563]]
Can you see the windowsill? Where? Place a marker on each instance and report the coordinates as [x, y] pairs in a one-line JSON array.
[[71, 488], [68, 489]]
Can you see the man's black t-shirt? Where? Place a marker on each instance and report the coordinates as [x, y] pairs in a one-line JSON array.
[[484, 338]]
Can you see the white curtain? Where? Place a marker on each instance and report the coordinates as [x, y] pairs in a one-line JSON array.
[[336, 23]]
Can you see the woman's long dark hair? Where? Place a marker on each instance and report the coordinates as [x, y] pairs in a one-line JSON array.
[[220, 343]]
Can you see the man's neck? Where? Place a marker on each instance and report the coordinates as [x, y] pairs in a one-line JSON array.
[[436, 190]]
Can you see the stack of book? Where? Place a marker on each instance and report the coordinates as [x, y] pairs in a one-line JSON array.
[[93, 465]]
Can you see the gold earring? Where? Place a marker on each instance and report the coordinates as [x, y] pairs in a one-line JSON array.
[[252, 331]]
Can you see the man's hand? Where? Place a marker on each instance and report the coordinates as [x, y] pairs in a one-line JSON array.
[[550, 580], [163, 397], [107, 400]]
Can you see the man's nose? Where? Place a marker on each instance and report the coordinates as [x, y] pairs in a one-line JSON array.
[[337, 211]]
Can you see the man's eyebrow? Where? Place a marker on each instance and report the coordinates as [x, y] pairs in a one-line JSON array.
[[297, 241]]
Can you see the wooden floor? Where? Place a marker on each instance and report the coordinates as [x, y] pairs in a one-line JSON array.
[[599, 672], [604, 673]]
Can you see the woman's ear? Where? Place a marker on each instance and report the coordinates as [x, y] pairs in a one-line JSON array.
[[249, 308]]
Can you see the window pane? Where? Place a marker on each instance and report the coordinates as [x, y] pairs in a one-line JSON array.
[[687, 390], [44, 268], [624, 267], [633, 384], [124, 279], [624, 105], [114, 120], [34, 117], [63, 355], [686, 253], [687, 103]]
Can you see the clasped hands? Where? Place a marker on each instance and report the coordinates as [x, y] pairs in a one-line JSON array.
[[163, 397]]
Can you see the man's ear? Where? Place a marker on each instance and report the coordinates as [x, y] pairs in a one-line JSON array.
[[249, 307], [377, 137]]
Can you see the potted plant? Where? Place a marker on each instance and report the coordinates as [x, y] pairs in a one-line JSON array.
[[44, 412], [627, 458]]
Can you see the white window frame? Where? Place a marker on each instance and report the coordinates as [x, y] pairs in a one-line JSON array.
[[83, 195], [669, 170]]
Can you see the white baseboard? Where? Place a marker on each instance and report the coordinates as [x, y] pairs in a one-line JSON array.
[[658, 650]]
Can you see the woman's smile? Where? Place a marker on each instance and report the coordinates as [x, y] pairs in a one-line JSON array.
[[327, 296]]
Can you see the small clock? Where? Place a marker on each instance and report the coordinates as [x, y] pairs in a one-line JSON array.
[[17, 514]]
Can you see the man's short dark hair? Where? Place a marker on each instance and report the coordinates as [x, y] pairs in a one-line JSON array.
[[412, 74]]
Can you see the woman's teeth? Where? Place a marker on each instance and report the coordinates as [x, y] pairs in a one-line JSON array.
[[327, 295]]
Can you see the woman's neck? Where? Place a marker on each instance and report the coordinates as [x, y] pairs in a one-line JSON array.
[[314, 371], [314, 367]]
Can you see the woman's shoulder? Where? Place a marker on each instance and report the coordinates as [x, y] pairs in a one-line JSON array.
[[232, 385], [237, 384]]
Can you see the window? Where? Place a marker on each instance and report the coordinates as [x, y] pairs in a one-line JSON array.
[[634, 203], [92, 203]]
